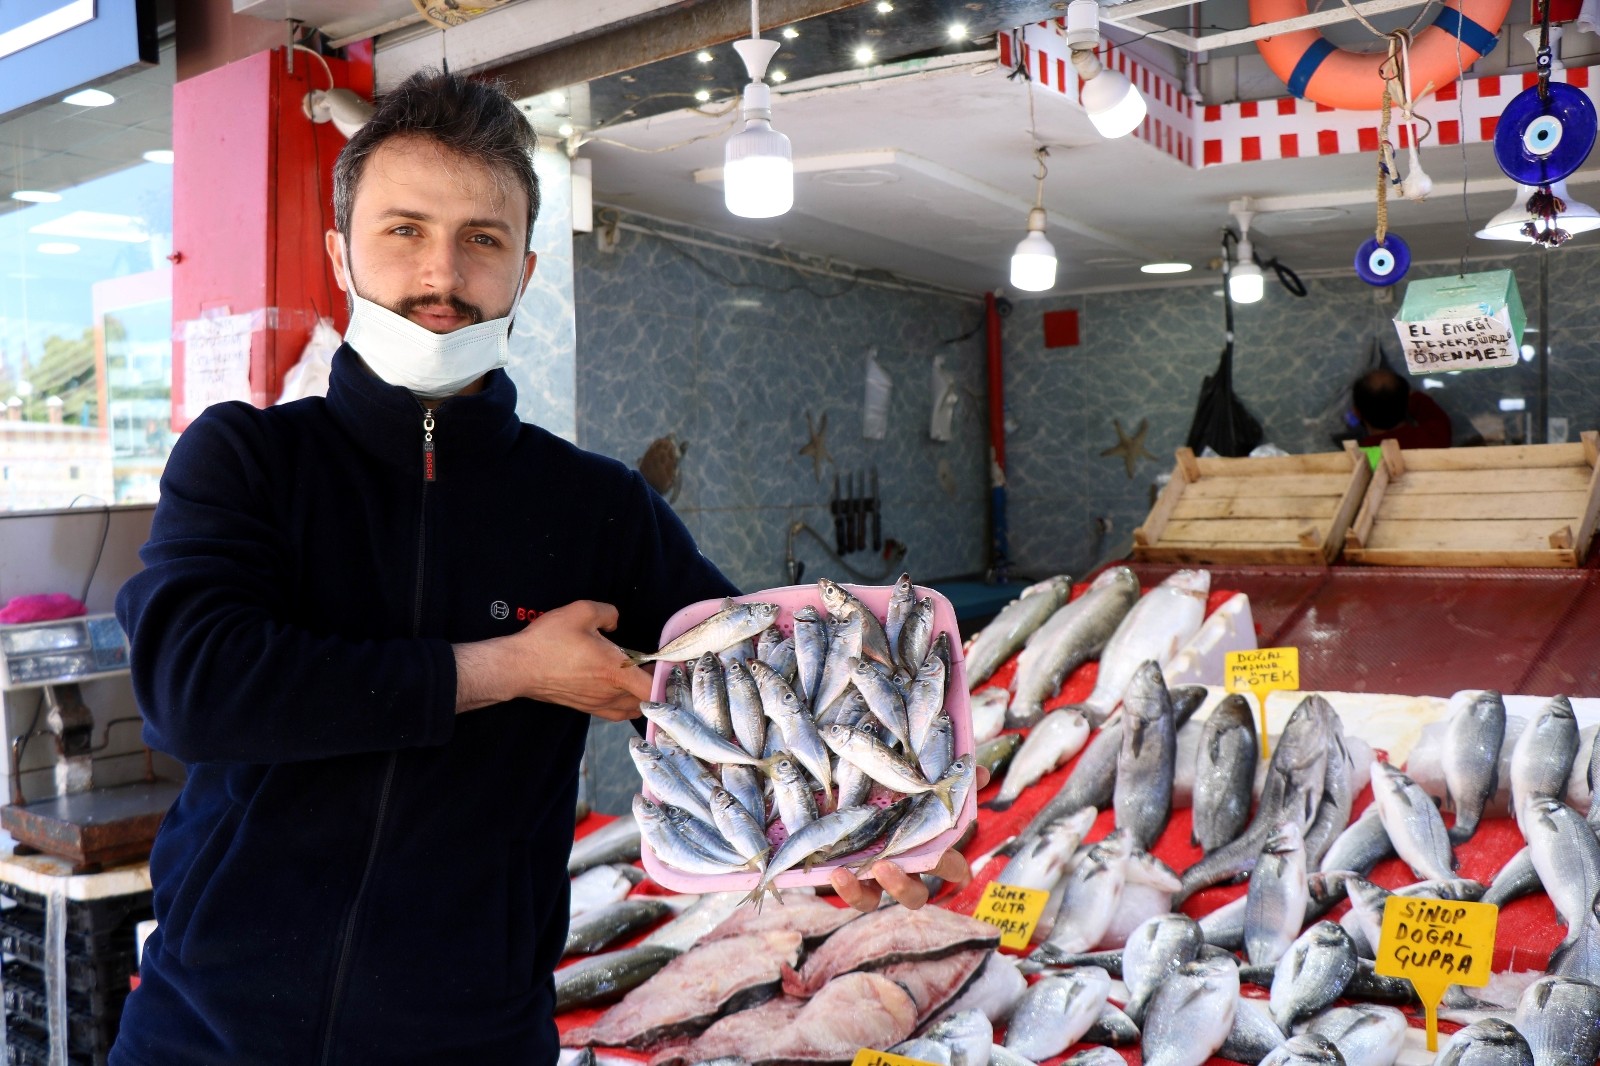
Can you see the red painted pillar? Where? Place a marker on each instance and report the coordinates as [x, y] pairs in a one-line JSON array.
[[252, 196]]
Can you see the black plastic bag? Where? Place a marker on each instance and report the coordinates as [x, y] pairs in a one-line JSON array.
[[1221, 420]]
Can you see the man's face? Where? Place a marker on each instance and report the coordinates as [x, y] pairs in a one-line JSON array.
[[435, 237]]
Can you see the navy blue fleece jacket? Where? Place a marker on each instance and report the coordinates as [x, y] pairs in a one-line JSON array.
[[353, 873]]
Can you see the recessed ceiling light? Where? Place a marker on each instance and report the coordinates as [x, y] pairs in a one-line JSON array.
[[863, 54], [57, 248], [36, 196], [779, 75], [1166, 268], [704, 57], [159, 155], [884, 7], [957, 31], [790, 33], [89, 98], [95, 226], [564, 130], [703, 95]]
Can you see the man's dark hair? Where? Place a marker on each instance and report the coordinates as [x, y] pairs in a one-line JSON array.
[[474, 119], [1382, 398]]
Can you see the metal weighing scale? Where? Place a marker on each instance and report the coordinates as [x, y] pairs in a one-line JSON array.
[[87, 826]]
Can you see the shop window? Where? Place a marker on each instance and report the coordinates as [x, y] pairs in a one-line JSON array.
[[86, 296]]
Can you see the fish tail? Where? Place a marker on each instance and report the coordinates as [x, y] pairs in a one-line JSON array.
[[942, 790], [756, 895], [998, 803], [636, 658]]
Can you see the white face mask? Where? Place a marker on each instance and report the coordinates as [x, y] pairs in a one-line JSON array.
[[431, 365]]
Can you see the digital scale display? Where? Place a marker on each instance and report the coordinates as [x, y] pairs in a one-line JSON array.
[[72, 649]]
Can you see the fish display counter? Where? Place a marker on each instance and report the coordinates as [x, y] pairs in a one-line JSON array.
[[1206, 903]]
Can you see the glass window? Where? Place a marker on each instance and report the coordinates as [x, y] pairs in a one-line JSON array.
[[86, 296]]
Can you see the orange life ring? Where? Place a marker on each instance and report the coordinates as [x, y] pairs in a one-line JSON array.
[[1317, 70]]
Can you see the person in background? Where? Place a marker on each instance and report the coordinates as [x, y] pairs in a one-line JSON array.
[[375, 627], [1390, 410]]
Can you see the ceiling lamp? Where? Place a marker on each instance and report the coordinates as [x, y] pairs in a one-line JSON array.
[[1114, 105], [1246, 285], [347, 111], [1518, 222], [758, 165], [1033, 264]]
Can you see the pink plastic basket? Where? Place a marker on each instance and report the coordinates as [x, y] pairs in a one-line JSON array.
[[789, 599]]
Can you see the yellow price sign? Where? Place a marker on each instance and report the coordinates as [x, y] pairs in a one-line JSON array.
[[1260, 671], [1012, 910], [1434, 944], [868, 1057]]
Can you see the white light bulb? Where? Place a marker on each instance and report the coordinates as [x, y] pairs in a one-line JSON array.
[[704, 57], [790, 33], [159, 155], [884, 7], [1245, 283], [1033, 264], [778, 77], [89, 98], [703, 95], [1114, 105], [36, 196], [863, 54], [758, 163], [957, 31]]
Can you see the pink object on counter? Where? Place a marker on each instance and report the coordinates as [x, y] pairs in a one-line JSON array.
[[789, 599], [41, 607]]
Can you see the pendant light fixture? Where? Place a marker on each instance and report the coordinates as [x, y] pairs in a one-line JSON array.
[[1113, 104], [1246, 285], [758, 165], [1519, 222], [1033, 264]]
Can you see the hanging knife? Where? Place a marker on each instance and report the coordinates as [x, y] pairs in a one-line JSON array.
[[877, 514]]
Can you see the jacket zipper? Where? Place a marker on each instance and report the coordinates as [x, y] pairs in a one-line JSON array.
[[429, 473]]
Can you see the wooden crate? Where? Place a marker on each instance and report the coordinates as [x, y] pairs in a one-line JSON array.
[[1287, 509], [1529, 505]]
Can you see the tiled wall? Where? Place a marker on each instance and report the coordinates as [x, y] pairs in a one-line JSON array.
[[1144, 354]]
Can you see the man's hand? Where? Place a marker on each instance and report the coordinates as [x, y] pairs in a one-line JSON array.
[[561, 657], [906, 889]]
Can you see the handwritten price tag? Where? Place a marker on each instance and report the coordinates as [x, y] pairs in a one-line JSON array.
[[1014, 911], [1260, 671], [868, 1057], [1435, 944]]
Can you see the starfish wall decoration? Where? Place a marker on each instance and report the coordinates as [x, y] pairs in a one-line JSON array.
[[817, 446], [1130, 448]]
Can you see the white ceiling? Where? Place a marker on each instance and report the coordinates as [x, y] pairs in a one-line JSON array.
[[929, 173]]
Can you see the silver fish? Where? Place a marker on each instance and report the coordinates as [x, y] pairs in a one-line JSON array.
[[1254, 1035], [883, 699], [747, 785], [1312, 973], [929, 816], [1338, 796], [1154, 629], [855, 785], [986, 708], [1147, 889], [1362, 845], [967, 1033], [706, 838], [709, 693], [810, 651], [1191, 1013], [615, 842], [1225, 768], [1089, 898], [1490, 1042], [1277, 897], [1413, 823], [792, 795], [1010, 629], [1142, 794], [663, 780], [1094, 1056], [670, 845], [844, 644], [1364, 920], [1517, 878], [795, 724], [1054, 741], [1560, 1019], [995, 989], [996, 753], [1153, 953], [1112, 1029], [938, 748], [841, 603], [925, 701], [923, 1049], [883, 824], [694, 736], [1307, 1049], [689, 768], [598, 929], [600, 886], [1073, 635], [679, 689], [696, 921], [1043, 862], [1471, 760], [743, 832], [822, 833], [1566, 856], [916, 637], [602, 979], [1541, 759], [1366, 1034], [901, 599], [1056, 1011], [745, 710], [1000, 1055], [727, 627], [884, 765]]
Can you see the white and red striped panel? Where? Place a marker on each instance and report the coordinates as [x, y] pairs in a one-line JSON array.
[[1281, 128]]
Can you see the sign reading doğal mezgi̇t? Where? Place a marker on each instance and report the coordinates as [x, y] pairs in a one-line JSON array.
[[1463, 322]]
